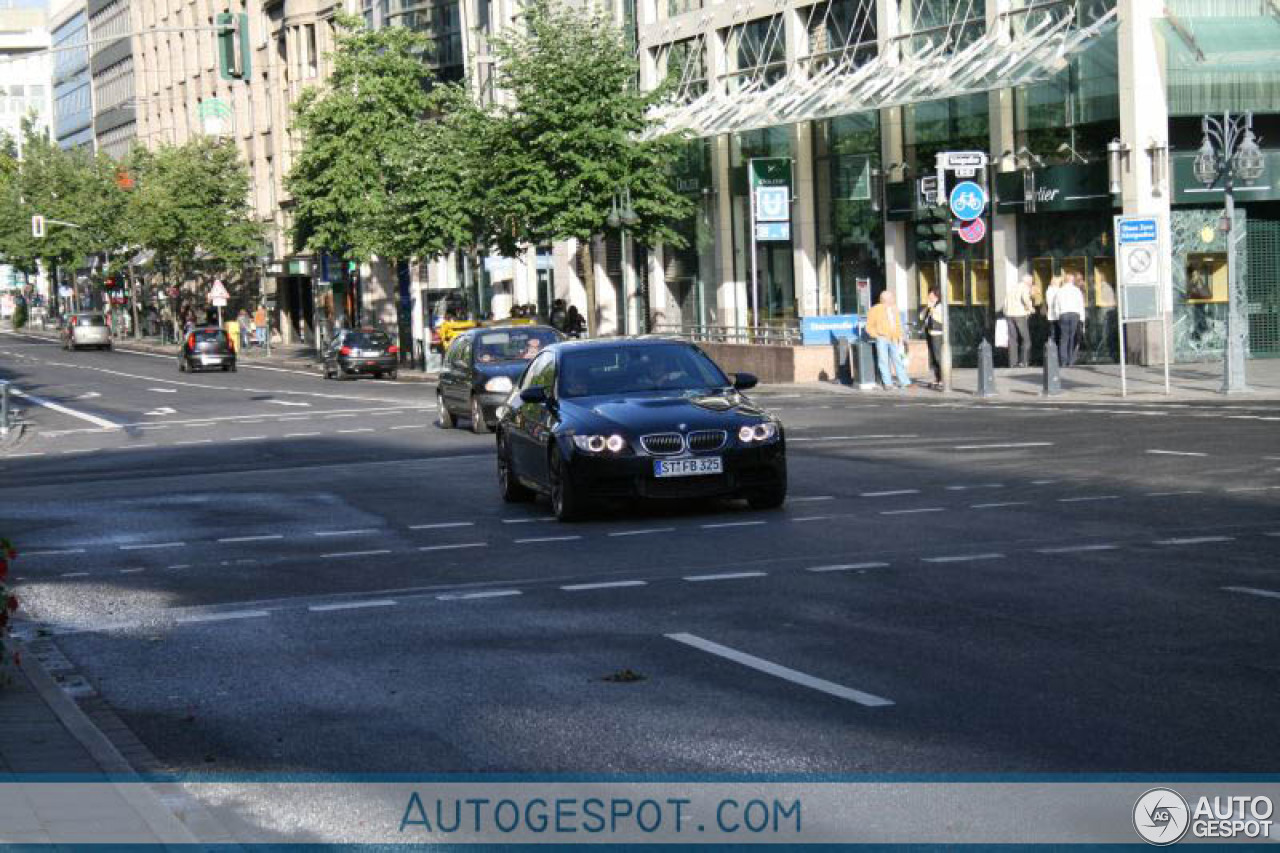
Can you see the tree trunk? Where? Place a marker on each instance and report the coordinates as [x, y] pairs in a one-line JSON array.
[[586, 251]]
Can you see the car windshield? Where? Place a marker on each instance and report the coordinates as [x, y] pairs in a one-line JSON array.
[[92, 320], [512, 344], [624, 370], [204, 336], [369, 340]]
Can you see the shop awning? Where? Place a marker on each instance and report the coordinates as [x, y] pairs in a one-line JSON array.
[[1221, 44]]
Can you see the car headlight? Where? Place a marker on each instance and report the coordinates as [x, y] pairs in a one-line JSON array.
[[750, 433], [600, 443], [499, 384]]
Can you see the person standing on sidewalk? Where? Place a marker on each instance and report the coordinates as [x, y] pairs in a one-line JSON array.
[[930, 320], [260, 326], [884, 325], [1050, 306], [1068, 304], [1017, 307]]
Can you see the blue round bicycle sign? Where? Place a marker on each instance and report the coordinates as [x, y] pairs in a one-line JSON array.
[[968, 200]]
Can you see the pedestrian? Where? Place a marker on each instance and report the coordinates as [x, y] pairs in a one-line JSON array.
[[1050, 307], [558, 316], [1017, 307], [575, 324], [260, 325], [884, 325], [1068, 305], [232, 328], [242, 323], [930, 320]]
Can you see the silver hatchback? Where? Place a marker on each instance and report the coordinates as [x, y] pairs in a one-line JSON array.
[[86, 329]]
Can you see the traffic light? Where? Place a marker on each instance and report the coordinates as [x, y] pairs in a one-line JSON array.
[[933, 234], [233, 45]]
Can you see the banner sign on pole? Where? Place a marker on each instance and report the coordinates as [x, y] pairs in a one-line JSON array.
[[1140, 283]]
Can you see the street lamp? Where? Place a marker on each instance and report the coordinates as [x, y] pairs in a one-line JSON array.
[[623, 216], [1229, 151]]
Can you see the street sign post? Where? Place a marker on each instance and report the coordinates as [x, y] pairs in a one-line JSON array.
[[769, 194], [1140, 284], [218, 296]]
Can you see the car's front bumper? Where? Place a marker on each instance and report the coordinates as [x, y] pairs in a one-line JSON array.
[[745, 470], [490, 402]]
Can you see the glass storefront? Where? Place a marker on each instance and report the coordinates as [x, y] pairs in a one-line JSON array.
[[1072, 117], [689, 270], [849, 216], [774, 262]]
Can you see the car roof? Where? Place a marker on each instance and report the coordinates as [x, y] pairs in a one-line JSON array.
[[615, 343], [511, 327]]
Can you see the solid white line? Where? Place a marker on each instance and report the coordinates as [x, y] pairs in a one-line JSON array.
[[1265, 593], [546, 539], [358, 532], [49, 404], [263, 538], [1194, 540], [497, 593], [811, 498], [732, 524], [1089, 498], [963, 558], [249, 438], [998, 504], [53, 553], [300, 434], [728, 576], [847, 567], [890, 494], [812, 518], [230, 614], [1011, 446], [1171, 494], [331, 417], [582, 587], [783, 672], [351, 605], [453, 547], [643, 532], [153, 546], [528, 520], [441, 525], [1253, 488], [358, 553], [911, 511], [1071, 549], [1175, 453]]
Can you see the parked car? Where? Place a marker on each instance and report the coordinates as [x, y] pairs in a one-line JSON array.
[[206, 348], [354, 352], [86, 329], [480, 370], [636, 418]]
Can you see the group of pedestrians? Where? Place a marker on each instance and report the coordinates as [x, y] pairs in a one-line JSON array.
[[250, 329], [567, 320], [1064, 308]]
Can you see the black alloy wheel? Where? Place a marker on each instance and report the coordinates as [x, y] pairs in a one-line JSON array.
[[565, 502]]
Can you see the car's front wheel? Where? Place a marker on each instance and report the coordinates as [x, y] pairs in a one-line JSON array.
[[565, 500], [478, 425], [513, 491], [770, 498]]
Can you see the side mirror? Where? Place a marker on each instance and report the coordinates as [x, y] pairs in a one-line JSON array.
[[534, 394], [743, 381]]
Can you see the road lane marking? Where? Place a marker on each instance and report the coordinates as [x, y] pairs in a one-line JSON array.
[[179, 566], [998, 504], [731, 524], [164, 390], [784, 672], [1194, 540], [374, 553], [1088, 498], [1044, 482], [1010, 446], [813, 518], [1171, 494], [131, 571], [454, 547], [331, 417], [889, 494], [249, 438], [1265, 593], [357, 532], [911, 511], [300, 434], [407, 426], [262, 538], [1253, 488], [350, 431], [528, 520], [1175, 453], [153, 546], [221, 617], [583, 587], [1072, 549], [847, 567], [199, 441], [351, 605], [198, 424], [56, 553], [49, 404], [75, 574], [977, 486], [644, 532], [290, 403], [440, 525], [546, 539], [22, 455], [963, 558], [727, 576], [811, 498], [464, 596]]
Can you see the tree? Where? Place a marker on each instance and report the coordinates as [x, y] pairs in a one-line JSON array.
[[572, 137]]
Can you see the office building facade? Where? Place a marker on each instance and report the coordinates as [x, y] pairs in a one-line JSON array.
[[72, 81]]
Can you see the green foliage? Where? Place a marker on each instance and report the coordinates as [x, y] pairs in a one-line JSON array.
[[20, 314]]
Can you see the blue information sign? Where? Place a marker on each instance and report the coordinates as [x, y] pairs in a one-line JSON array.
[[1138, 230], [968, 200], [773, 231], [825, 329]]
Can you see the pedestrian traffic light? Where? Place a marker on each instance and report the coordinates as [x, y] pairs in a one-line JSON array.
[[933, 234], [233, 45]]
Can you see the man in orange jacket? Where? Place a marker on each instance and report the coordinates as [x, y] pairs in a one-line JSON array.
[[884, 325]]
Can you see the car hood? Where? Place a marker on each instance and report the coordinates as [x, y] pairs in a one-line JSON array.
[[665, 411]]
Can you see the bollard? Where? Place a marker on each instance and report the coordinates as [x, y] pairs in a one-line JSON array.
[[1052, 383], [986, 371], [866, 366]]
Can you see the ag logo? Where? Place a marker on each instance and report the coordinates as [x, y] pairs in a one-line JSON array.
[[1160, 816]]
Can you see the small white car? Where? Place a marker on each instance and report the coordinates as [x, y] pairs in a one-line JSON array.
[[86, 329]]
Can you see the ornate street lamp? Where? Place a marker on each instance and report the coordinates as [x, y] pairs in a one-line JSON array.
[[1229, 151]]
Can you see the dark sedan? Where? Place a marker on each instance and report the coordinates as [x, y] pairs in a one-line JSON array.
[[354, 352], [481, 368], [206, 348], [636, 418]]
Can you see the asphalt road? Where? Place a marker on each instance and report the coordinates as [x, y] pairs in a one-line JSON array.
[[264, 571]]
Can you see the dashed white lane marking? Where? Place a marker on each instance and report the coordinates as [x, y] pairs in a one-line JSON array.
[[528, 520], [546, 539], [998, 504], [199, 424], [1171, 494], [784, 672], [49, 404], [847, 567], [248, 438], [1072, 549], [351, 431], [1194, 540], [726, 576], [811, 498], [362, 531], [407, 426], [967, 488], [75, 574], [889, 494], [464, 596], [1088, 498], [200, 441], [1253, 488], [374, 553], [261, 538], [331, 417], [912, 511], [153, 426], [22, 455], [454, 547], [813, 518], [1248, 590], [153, 546], [1044, 482], [294, 418], [77, 450], [221, 617], [351, 605], [1015, 445], [644, 532], [963, 558], [131, 571], [179, 566], [731, 524], [55, 553], [1175, 453], [290, 403], [441, 525], [300, 434], [164, 390], [583, 587]]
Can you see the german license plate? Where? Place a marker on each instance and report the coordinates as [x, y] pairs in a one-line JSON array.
[[210, 359], [687, 467]]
